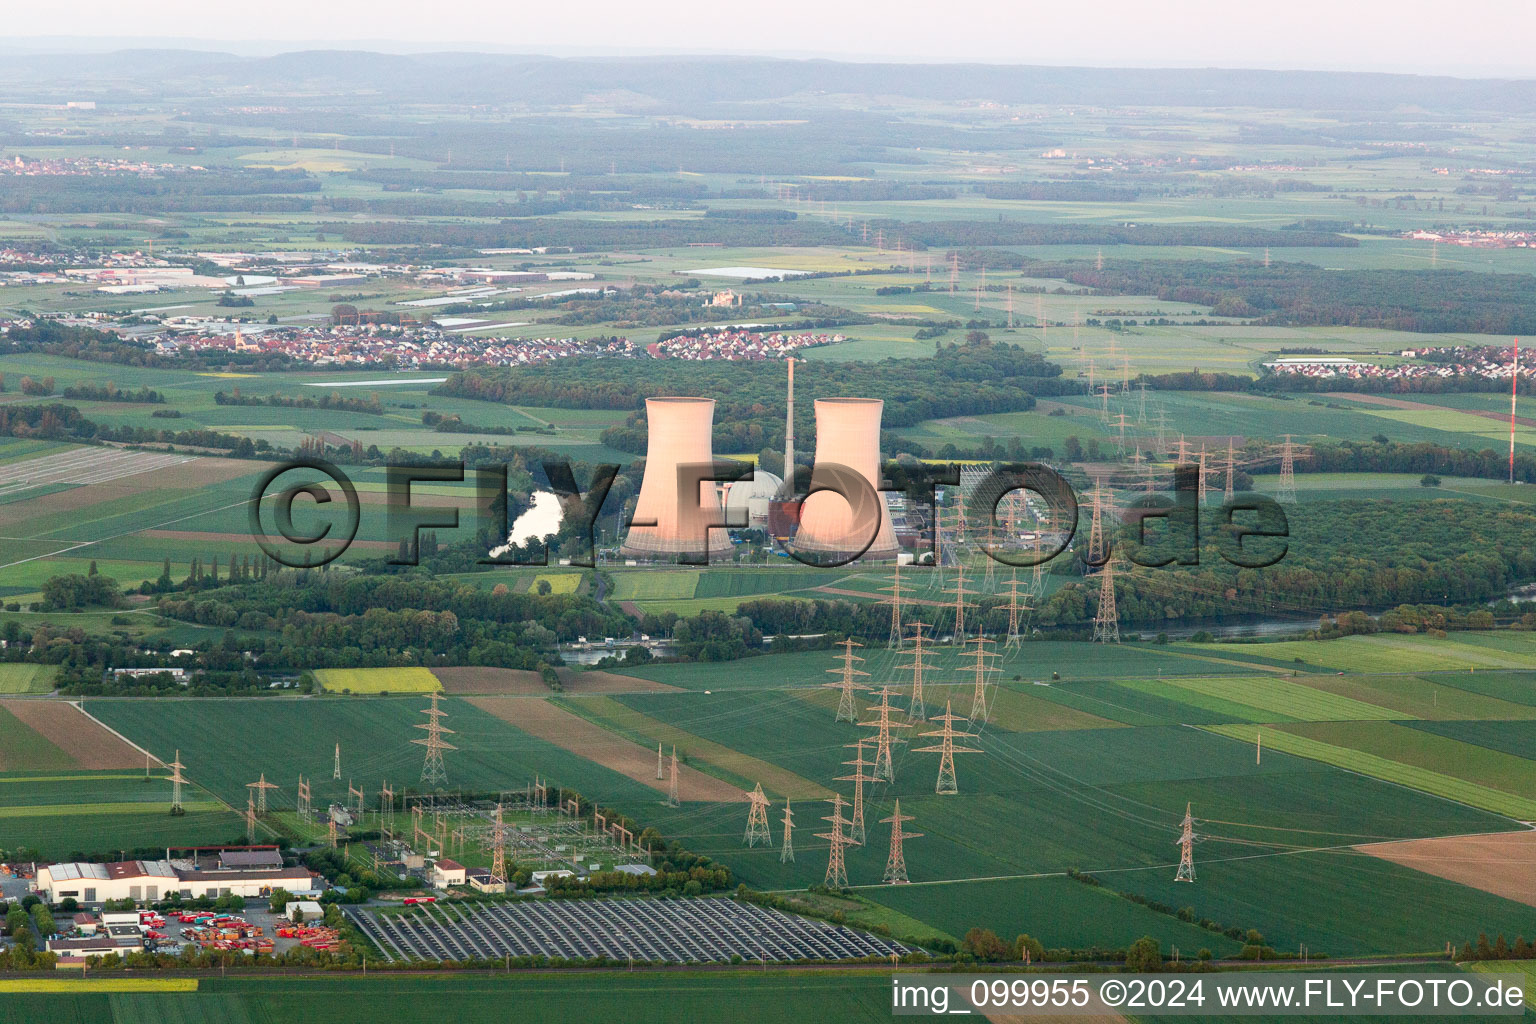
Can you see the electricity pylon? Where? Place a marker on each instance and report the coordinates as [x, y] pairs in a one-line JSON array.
[[917, 707], [1186, 844], [897, 635], [303, 804], [433, 771], [1014, 638], [757, 818], [947, 750], [1121, 422], [660, 771], [1289, 452], [896, 863], [846, 712], [787, 852], [672, 800], [979, 710], [1229, 471], [176, 781], [1202, 492], [837, 868], [960, 593], [498, 847], [261, 788], [386, 809], [1098, 546], [884, 770], [250, 820], [1106, 618], [336, 772], [858, 778]]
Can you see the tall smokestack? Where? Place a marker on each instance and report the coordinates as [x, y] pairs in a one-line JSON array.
[[789, 426], [679, 435], [847, 434]]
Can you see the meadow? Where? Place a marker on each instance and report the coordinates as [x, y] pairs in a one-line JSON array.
[[20, 677]]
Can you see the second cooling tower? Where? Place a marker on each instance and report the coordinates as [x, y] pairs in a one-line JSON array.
[[679, 432], [847, 434]]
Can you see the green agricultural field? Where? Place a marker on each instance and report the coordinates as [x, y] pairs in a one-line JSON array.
[[22, 747], [1287, 699], [784, 997], [1058, 911], [220, 748], [20, 677], [655, 585], [1391, 653], [1140, 702], [377, 680], [62, 813], [1442, 697], [1434, 751], [1516, 738], [1392, 770]]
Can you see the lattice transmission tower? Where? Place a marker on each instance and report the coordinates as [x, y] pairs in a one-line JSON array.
[[787, 851], [1016, 607], [885, 770], [757, 819], [917, 706], [261, 786], [896, 863], [433, 771], [672, 800], [498, 847], [979, 710], [846, 711], [858, 778], [1289, 452], [946, 749], [1106, 618], [177, 779], [898, 633], [1186, 844], [960, 593], [837, 867]]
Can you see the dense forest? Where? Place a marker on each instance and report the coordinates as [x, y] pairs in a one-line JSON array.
[[1341, 556], [1295, 294], [749, 414]]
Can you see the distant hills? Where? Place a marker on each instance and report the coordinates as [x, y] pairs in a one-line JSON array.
[[695, 84]]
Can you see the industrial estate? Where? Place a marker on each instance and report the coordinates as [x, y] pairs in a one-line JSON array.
[[518, 532]]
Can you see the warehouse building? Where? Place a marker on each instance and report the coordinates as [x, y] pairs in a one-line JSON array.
[[152, 880]]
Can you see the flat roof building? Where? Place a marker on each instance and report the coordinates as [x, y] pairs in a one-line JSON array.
[[152, 880]]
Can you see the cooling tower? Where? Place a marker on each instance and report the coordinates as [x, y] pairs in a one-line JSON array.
[[847, 434], [679, 435]]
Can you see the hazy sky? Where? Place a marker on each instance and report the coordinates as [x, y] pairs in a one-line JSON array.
[[1406, 35]]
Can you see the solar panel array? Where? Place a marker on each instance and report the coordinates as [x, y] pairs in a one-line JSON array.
[[648, 929]]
